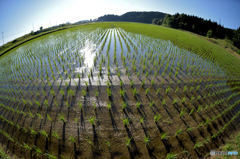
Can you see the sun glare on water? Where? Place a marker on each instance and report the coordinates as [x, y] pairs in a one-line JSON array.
[[88, 52]]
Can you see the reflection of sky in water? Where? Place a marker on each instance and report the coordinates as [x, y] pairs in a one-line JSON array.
[[89, 52]]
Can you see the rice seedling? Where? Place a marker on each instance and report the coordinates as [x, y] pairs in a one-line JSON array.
[[163, 102], [125, 121], [141, 120], [157, 118], [167, 90], [147, 91], [146, 140], [121, 83], [55, 135], [128, 142], [192, 111], [134, 91], [84, 92], [178, 132], [50, 156], [109, 106], [61, 117], [171, 156], [124, 105], [38, 151], [92, 120], [131, 83], [80, 105], [182, 112], [152, 103], [158, 91], [174, 101], [164, 136], [44, 133], [138, 104], [143, 83], [198, 145], [122, 93]]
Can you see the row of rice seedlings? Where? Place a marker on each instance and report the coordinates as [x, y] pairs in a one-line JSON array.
[[157, 117], [211, 138], [37, 152]]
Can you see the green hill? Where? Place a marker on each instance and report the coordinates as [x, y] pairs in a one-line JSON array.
[[143, 17]]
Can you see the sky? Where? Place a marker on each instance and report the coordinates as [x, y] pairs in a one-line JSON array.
[[19, 17]]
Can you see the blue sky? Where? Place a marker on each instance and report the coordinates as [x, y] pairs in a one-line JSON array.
[[18, 17]]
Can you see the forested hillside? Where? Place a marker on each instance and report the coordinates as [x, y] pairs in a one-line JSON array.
[[143, 17]]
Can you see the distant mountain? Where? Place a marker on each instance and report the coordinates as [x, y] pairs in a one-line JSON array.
[[82, 21], [143, 17]]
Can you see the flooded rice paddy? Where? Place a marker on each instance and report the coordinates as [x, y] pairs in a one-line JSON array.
[[109, 93]]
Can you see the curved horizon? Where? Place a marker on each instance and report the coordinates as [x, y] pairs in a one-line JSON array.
[[22, 17]]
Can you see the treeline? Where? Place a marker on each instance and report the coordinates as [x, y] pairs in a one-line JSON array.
[[236, 38], [143, 17], [199, 26]]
